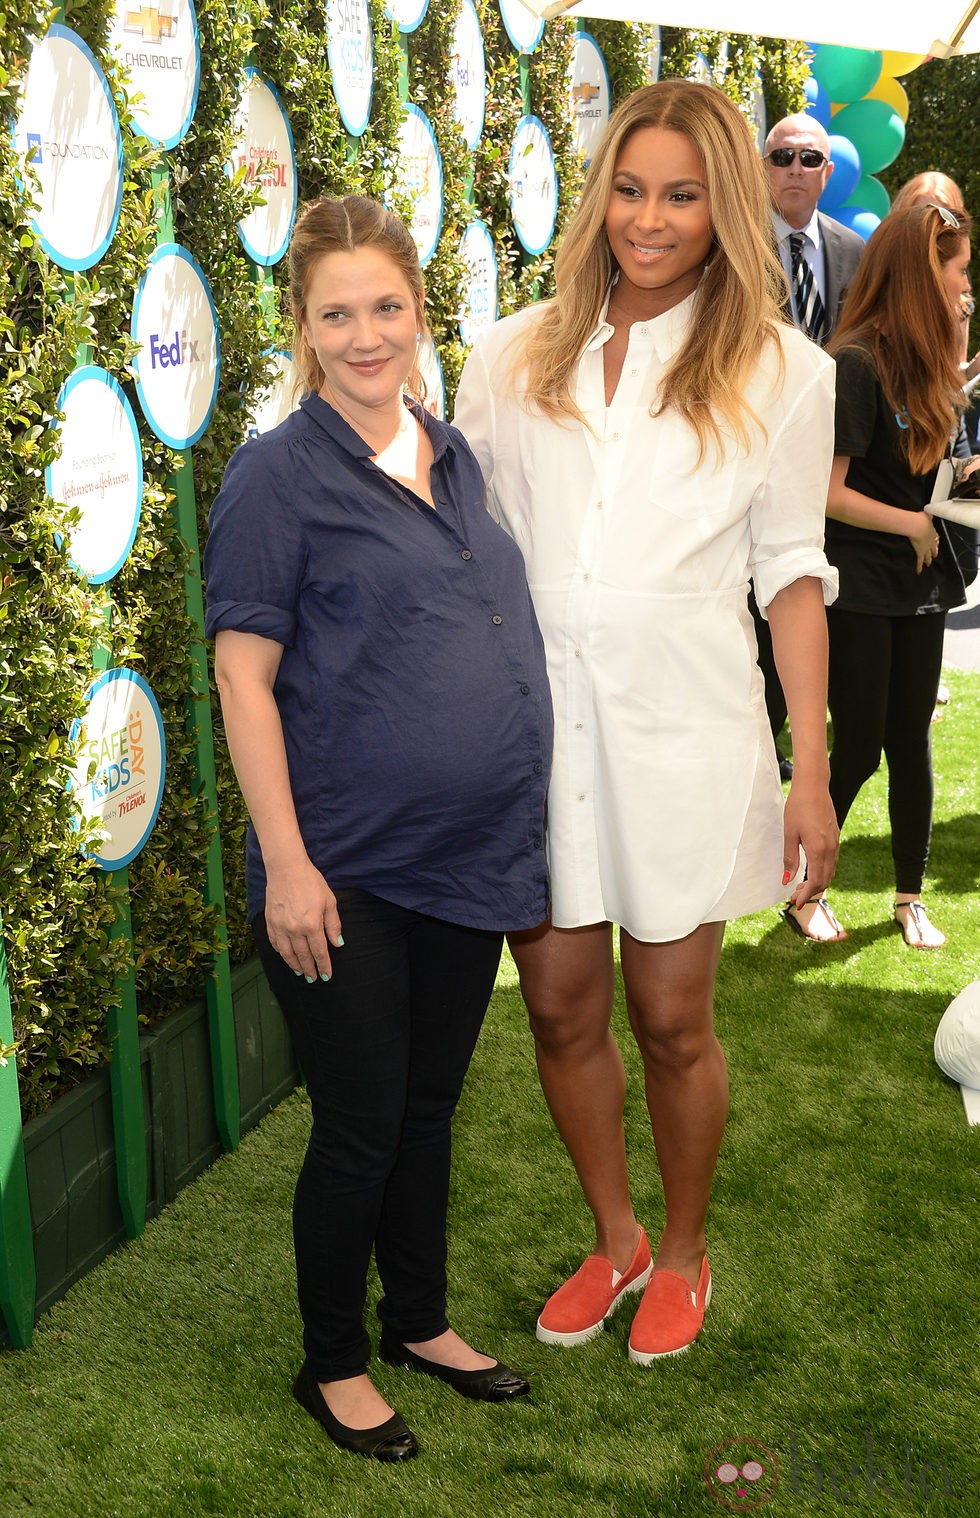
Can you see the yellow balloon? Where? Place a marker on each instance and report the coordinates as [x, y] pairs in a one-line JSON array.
[[894, 64], [892, 93]]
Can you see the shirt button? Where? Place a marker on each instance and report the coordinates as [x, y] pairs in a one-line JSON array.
[[581, 798], [578, 653], [616, 436], [586, 577], [496, 621], [634, 371], [537, 843], [538, 768], [466, 554], [578, 727], [598, 505], [525, 690]]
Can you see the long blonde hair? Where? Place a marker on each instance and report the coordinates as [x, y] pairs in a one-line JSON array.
[[897, 308], [342, 226], [737, 303]]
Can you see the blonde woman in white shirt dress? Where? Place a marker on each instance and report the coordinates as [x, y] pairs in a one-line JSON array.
[[651, 438]]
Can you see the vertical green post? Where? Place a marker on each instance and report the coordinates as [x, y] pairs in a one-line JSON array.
[[524, 73], [221, 1020], [125, 1078], [402, 41], [122, 1018], [18, 1275]]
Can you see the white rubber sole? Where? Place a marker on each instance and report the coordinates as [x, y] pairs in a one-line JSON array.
[[667, 1354], [583, 1335]]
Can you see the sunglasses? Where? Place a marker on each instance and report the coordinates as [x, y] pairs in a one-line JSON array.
[[949, 219], [810, 158]]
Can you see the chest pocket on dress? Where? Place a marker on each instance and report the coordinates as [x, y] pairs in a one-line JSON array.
[[678, 483]]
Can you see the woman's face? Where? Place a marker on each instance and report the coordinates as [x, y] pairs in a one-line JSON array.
[[360, 320], [956, 275], [658, 220]]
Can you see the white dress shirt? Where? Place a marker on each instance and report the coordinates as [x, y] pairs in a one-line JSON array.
[[665, 808], [813, 252]]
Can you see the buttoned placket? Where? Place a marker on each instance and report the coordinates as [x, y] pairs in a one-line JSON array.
[[447, 519], [607, 438]]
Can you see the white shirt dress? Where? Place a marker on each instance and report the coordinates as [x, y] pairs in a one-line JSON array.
[[665, 807]]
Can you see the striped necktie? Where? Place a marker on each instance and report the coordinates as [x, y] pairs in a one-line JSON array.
[[806, 296]]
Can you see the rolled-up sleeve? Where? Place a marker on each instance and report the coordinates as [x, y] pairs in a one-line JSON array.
[[789, 514], [256, 553]]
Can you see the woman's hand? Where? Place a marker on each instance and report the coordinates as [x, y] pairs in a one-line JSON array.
[[924, 538], [809, 824], [301, 918]]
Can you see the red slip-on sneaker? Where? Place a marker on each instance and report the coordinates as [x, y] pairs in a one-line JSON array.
[[577, 1310], [669, 1318]]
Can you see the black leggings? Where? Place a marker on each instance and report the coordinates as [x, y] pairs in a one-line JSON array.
[[384, 1048], [884, 674]]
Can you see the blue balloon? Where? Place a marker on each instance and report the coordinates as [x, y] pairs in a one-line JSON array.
[[859, 220], [817, 102], [847, 171]]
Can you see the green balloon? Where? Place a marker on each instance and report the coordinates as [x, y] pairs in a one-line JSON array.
[[876, 130], [871, 195], [846, 73]]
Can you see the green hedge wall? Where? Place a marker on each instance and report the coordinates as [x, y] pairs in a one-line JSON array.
[[57, 908]]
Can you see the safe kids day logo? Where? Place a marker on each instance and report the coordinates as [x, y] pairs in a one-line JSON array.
[[120, 765]]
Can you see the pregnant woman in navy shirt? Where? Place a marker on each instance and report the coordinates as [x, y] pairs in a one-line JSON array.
[[384, 694]]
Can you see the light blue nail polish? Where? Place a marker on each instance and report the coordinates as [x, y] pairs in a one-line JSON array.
[[297, 972], [308, 979], [324, 975], [340, 941]]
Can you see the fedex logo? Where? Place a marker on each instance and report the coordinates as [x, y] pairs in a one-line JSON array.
[[167, 355]]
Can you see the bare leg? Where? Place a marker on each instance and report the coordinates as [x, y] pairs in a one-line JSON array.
[[567, 983], [669, 996]]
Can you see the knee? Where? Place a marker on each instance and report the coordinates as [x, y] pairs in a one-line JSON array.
[[561, 1027], [675, 1045]]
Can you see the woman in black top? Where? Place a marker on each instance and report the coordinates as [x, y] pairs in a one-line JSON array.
[[898, 401]]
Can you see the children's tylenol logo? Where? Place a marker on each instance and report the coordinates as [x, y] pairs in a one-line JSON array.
[[741, 1474]]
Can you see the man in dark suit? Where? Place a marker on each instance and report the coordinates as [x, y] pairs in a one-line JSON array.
[[798, 166], [819, 257]]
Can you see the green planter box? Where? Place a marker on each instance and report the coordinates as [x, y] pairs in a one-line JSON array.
[[71, 1168]]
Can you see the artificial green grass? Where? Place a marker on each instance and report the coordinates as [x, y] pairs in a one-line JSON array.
[[843, 1238]]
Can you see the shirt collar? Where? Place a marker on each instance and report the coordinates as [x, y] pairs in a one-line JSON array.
[[667, 331], [783, 229], [342, 433]]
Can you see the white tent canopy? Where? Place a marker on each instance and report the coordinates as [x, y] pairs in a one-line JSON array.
[[928, 27]]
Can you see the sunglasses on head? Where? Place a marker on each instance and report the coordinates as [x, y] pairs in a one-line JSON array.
[[810, 158], [947, 215]]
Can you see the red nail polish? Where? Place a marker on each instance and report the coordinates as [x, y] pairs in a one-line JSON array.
[[787, 876]]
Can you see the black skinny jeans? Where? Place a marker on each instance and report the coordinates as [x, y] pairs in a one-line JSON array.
[[384, 1047], [884, 674]]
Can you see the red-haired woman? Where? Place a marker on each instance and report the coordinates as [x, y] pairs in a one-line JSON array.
[[898, 403]]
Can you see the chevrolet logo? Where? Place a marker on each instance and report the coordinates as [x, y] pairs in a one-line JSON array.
[[152, 23], [583, 94]]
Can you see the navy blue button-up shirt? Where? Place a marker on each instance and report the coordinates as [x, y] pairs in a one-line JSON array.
[[412, 687]]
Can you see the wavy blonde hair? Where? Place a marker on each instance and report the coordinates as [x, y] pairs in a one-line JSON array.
[[898, 309], [342, 226], [737, 306]]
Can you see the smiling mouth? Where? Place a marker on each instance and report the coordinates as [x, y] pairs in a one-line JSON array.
[[644, 251]]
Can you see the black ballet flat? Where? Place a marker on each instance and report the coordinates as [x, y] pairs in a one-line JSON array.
[[391, 1440], [498, 1383]]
